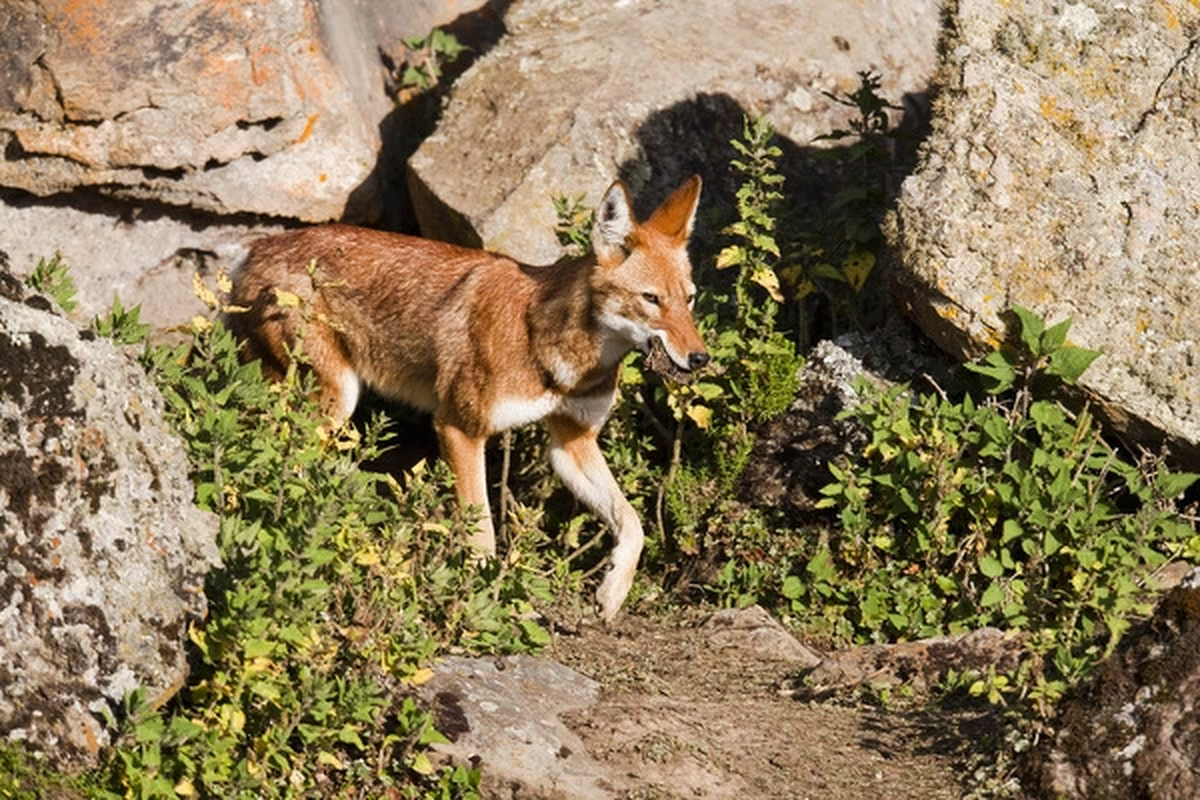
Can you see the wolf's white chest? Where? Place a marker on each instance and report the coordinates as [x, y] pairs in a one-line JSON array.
[[513, 412]]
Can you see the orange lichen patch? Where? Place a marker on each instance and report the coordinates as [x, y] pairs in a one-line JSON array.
[[1059, 117], [308, 127], [1033, 282], [81, 24], [93, 746], [947, 311], [1170, 17]]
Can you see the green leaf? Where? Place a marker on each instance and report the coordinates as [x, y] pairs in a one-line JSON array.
[[1047, 414], [996, 367], [1010, 530], [991, 567], [1055, 336], [993, 595], [1068, 363], [793, 587], [1031, 329], [258, 648], [534, 633], [1173, 484]]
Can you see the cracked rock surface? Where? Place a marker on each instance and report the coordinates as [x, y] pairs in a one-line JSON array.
[[1061, 175], [102, 552], [194, 104]]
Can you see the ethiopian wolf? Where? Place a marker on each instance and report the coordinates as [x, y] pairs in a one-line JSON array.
[[483, 342]]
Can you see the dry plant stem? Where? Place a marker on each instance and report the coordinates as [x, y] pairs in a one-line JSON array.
[[505, 502], [676, 457], [583, 548]]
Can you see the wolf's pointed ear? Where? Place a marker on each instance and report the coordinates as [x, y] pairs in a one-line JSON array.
[[678, 212], [614, 225]]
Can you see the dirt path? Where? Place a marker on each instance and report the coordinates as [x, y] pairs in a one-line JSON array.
[[682, 718]]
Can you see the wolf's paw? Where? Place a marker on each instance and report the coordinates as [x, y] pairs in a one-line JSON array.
[[612, 594]]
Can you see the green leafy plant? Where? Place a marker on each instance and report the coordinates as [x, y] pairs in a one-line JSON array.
[[839, 253], [23, 778], [754, 250], [692, 442], [1010, 511], [425, 59], [574, 224], [755, 366], [122, 325], [338, 587], [52, 277]]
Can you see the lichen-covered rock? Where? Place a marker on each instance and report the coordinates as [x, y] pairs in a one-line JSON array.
[[920, 666], [1061, 175], [1133, 730], [102, 551], [583, 91]]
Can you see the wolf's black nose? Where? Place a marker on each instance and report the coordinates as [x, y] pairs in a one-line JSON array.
[[697, 360]]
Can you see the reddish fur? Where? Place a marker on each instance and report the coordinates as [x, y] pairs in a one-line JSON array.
[[470, 335]]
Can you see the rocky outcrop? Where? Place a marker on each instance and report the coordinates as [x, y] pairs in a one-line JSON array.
[[268, 108], [146, 140], [920, 666], [1061, 176], [199, 104], [582, 91], [102, 551], [504, 716], [1132, 731]]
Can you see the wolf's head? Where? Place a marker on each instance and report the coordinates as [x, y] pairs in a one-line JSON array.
[[643, 278]]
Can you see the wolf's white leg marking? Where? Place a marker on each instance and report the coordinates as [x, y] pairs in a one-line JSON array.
[[576, 457]]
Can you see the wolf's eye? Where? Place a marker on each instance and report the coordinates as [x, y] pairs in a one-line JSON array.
[[651, 298]]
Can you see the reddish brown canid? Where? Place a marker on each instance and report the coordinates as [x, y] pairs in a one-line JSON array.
[[483, 342]]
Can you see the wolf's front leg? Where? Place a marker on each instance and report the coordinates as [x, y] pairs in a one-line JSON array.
[[576, 457], [466, 456]]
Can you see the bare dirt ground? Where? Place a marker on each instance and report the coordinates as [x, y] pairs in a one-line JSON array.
[[681, 718]]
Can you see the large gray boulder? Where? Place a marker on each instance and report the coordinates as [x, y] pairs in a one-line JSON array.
[[102, 551], [582, 91], [1062, 175], [146, 140]]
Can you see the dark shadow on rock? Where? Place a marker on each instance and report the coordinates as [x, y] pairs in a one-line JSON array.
[[413, 120], [693, 137]]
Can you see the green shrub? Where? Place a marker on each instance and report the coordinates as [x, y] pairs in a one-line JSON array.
[[755, 369], [834, 253], [338, 587], [687, 446], [999, 508]]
